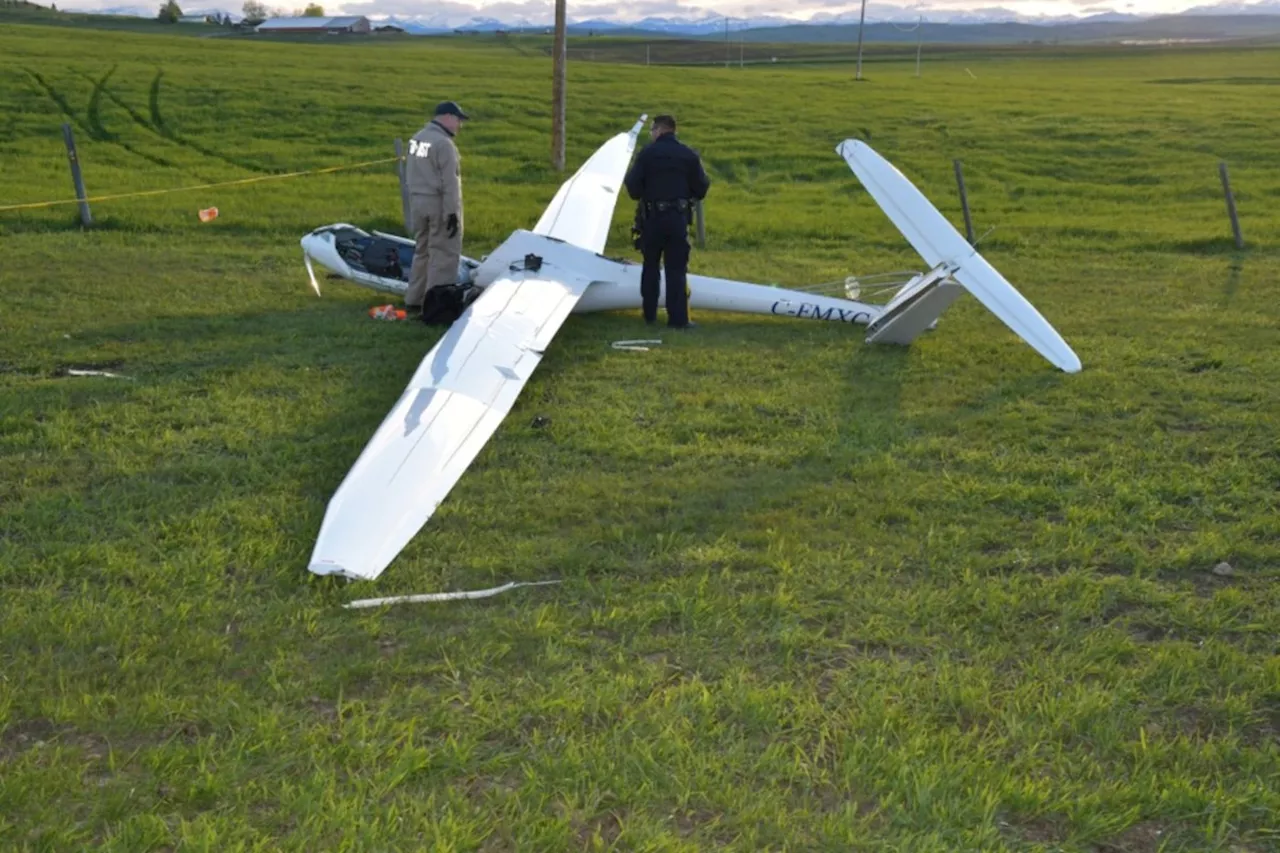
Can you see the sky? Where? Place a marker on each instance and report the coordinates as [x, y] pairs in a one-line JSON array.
[[798, 9]]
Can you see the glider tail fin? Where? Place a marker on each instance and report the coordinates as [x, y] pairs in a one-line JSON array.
[[957, 266], [915, 308]]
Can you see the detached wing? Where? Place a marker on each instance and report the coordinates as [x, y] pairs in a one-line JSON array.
[[582, 210], [938, 242], [459, 395]]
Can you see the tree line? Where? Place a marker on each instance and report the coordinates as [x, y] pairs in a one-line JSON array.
[[254, 12]]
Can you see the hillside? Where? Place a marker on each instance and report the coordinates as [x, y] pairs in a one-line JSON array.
[[21, 12], [1176, 27]]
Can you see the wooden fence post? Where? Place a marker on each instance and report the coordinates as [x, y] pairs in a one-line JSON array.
[[1231, 205], [964, 203], [401, 167], [559, 102], [77, 179]]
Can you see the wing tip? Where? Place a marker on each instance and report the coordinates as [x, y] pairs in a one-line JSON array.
[[851, 143], [1071, 362]]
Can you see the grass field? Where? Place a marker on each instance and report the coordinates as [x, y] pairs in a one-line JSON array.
[[900, 52], [815, 595]]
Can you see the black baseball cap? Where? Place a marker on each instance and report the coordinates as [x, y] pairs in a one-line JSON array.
[[451, 108]]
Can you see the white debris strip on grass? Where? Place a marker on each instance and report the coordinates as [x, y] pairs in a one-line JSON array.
[[634, 346], [108, 374], [442, 596]]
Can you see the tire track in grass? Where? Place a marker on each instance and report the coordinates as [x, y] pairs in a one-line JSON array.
[[142, 122], [104, 135], [158, 123], [60, 101], [94, 111], [98, 133]]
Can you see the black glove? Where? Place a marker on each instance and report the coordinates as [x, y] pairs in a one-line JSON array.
[[637, 227], [451, 226]]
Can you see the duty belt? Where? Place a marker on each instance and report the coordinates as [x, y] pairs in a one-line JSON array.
[[664, 206]]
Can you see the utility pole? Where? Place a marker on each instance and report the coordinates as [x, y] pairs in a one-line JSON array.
[[861, 19], [557, 91], [919, 42]]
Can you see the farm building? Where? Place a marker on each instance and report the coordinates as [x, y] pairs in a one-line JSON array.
[[347, 24]]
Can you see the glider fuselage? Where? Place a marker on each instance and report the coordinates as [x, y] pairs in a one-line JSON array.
[[616, 284]]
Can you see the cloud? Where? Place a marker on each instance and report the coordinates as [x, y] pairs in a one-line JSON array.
[[414, 8]]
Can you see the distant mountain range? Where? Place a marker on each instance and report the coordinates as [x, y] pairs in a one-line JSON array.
[[708, 24], [885, 22], [1166, 29]]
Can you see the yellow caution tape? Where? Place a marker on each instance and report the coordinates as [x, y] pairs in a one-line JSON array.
[[240, 182]]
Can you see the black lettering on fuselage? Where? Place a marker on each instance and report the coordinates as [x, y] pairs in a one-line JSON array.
[[810, 311]]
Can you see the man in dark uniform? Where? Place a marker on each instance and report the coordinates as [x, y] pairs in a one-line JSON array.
[[667, 179]]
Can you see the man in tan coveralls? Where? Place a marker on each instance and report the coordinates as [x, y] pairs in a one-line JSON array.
[[433, 172]]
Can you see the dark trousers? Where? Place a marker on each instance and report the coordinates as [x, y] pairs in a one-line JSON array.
[[665, 242]]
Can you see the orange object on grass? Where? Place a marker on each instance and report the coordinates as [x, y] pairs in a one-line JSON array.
[[208, 214], [386, 312]]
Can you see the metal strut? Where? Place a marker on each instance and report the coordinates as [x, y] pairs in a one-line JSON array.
[[856, 286]]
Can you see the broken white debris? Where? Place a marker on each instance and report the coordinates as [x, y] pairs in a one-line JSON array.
[[442, 596], [73, 372], [311, 273], [634, 346]]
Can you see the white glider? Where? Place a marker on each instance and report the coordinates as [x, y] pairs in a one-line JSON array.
[[469, 381]]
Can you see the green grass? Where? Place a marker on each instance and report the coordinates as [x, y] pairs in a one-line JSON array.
[[816, 595], [831, 46]]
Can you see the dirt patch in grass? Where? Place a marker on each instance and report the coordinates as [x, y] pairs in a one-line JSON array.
[[21, 736], [1036, 830], [1144, 837]]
